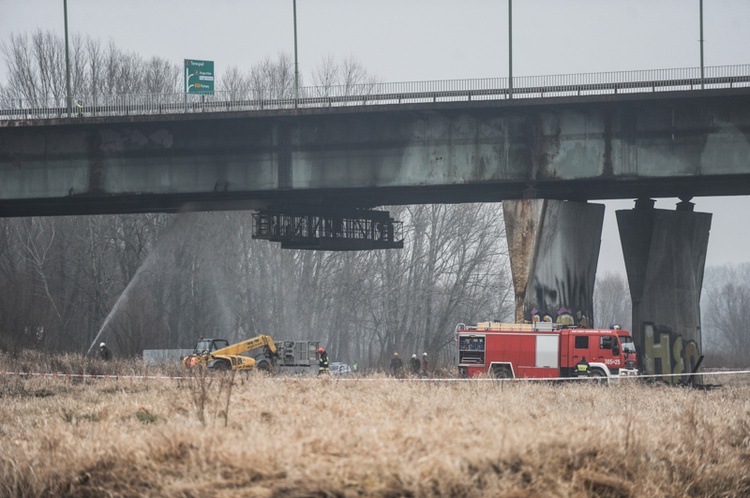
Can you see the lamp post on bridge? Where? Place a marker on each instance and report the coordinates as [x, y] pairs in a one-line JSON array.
[[510, 49], [67, 60], [701, 41], [296, 64]]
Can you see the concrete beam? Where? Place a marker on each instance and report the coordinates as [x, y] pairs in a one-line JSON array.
[[627, 146]]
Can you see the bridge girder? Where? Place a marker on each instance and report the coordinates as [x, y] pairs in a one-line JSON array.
[[330, 230], [671, 144]]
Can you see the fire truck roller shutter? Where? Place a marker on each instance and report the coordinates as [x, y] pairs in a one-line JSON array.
[[547, 350]]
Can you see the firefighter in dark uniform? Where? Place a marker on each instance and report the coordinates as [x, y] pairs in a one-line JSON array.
[[582, 368], [397, 366], [104, 352], [415, 364], [322, 361], [425, 367]]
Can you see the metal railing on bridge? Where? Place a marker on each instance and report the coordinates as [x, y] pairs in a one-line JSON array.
[[567, 85]]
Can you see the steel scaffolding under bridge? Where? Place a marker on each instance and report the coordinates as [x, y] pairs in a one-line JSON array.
[[334, 230]]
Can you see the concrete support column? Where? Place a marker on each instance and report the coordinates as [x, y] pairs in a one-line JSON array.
[[554, 250], [665, 254]]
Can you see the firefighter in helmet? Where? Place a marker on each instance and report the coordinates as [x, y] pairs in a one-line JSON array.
[[582, 368], [322, 361], [397, 366], [415, 364], [425, 364], [104, 352]]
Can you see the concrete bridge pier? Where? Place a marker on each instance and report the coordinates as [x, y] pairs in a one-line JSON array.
[[665, 254], [554, 250]]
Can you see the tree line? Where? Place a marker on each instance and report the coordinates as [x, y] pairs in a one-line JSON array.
[[160, 281], [725, 302], [37, 73]]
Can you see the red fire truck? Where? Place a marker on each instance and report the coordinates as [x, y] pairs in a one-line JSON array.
[[543, 350]]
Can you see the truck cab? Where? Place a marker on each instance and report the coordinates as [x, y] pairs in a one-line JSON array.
[[206, 346], [203, 348], [609, 352]]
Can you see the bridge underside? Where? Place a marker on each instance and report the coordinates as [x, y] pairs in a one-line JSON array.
[[365, 198], [672, 144]]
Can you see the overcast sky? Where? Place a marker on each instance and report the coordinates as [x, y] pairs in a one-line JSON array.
[[413, 40]]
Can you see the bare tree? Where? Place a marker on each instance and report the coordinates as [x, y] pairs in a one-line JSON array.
[[454, 269], [725, 308], [326, 75], [34, 75], [22, 321], [161, 76], [349, 77], [273, 79], [612, 304], [353, 75], [728, 314], [95, 62], [37, 71], [234, 84]]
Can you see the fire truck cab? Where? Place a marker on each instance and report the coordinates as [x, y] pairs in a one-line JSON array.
[[543, 350]]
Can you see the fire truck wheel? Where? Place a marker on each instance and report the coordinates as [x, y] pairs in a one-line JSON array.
[[598, 376]]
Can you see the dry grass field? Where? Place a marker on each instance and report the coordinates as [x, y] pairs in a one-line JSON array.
[[225, 435]]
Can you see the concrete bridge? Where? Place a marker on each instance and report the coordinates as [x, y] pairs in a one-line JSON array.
[[544, 157]]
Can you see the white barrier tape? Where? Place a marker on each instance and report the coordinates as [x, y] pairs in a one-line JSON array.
[[546, 379], [380, 379], [95, 376], [722, 372]]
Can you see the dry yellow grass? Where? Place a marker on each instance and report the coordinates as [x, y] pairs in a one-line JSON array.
[[374, 437]]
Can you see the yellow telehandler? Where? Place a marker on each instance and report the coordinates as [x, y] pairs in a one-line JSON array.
[[261, 353], [219, 355]]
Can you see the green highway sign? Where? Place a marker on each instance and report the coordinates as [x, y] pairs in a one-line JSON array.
[[199, 76]]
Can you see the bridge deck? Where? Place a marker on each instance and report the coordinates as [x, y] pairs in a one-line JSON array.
[[625, 145]]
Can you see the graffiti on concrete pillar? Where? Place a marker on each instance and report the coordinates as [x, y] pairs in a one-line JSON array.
[[667, 352], [564, 316]]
